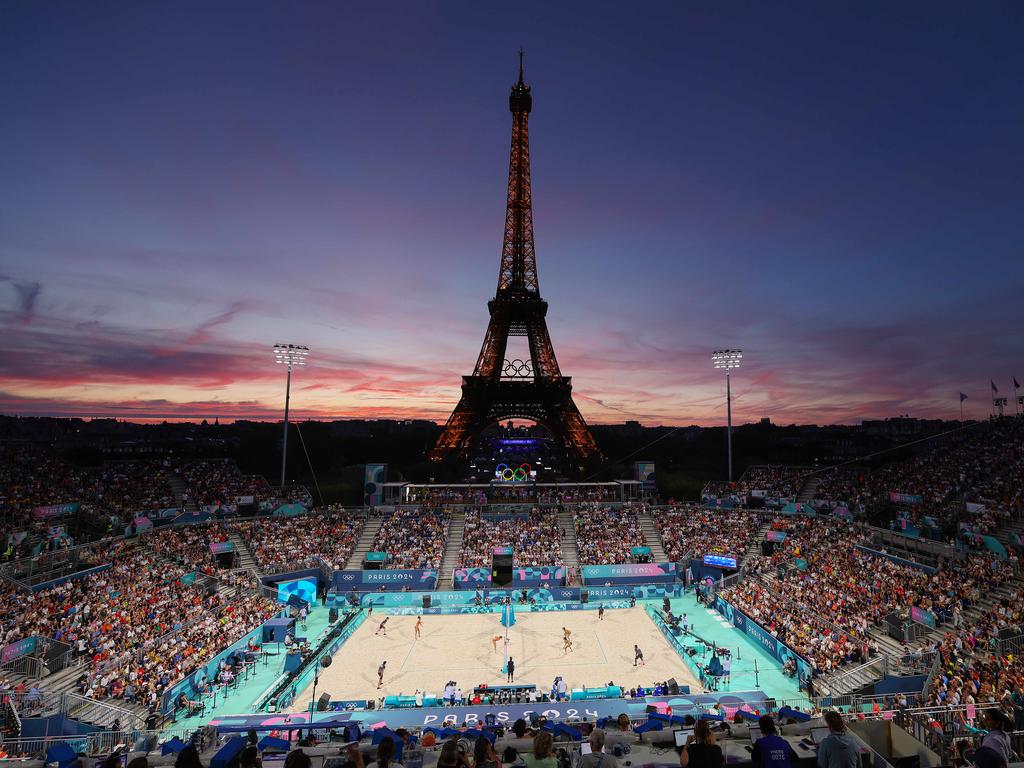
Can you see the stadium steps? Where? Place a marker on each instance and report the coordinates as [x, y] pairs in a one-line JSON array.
[[653, 537], [754, 548], [103, 714], [567, 542], [452, 550], [246, 561], [841, 682], [57, 684], [1003, 534], [809, 490], [178, 488], [369, 533], [889, 646]]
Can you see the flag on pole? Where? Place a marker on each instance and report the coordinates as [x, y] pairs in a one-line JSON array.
[[995, 389], [962, 397]]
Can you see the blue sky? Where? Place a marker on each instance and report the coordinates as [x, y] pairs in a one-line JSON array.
[[836, 190]]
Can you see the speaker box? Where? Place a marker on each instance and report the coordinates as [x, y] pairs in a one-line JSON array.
[[426, 601], [332, 615], [323, 702], [673, 687], [584, 596]]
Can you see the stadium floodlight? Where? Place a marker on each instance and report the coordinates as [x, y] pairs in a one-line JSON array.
[[289, 355], [727, 360]]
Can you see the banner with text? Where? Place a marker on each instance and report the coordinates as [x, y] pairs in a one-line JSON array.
[[762, 637], [629, 573], [18, 649], [905, 498], [368, 581], [55, 510]]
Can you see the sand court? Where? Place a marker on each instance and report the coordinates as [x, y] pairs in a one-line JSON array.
[[460, 648]]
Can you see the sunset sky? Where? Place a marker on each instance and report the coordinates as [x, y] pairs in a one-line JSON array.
[[837, 191]]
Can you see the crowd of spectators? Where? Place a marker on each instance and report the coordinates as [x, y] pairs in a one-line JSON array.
[[825, 592], [32, 477], [696, 531], [413, 538], [219, 482], [280, 542], [138, 625], [533, 536], [441, 495], [972, 669], [777, 482], [523, 493], [983, 464], [606, 536], [189, 546], [577, 494]]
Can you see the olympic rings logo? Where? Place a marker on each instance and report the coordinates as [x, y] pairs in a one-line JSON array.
[[520, 473], [517, 369]]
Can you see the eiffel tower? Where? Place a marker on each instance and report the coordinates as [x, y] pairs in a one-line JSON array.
[[533, 389]]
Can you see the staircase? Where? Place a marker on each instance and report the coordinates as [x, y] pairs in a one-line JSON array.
[[102, 713], [652, 536], [567, 542], [452, 549], [754, 548], [848, 679], [369, 533], [1014, 526], [810, 490], [245, 560], [53, 687], [178, 488]]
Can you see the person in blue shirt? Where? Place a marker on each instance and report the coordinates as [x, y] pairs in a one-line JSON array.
[[771, 750]]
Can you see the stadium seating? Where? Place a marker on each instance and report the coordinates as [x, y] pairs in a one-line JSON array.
[[533, 536], [607, 535]]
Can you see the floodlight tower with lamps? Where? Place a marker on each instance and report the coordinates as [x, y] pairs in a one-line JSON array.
[[288, 354], [727, 360]]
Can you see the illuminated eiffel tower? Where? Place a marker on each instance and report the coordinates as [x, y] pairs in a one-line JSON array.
[[501, 389]]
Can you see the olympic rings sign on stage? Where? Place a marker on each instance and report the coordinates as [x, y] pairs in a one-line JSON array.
[[518, 475]]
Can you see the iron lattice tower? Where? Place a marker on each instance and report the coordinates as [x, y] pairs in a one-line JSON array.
[[501, 389]]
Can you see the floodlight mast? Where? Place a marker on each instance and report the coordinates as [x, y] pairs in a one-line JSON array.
[[727, 360], [289, 355]]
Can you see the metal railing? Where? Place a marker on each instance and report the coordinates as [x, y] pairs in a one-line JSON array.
[[74, 705], [11, 716], [905, 629], [1006, 646], [36, 569], [98, 743], [32, 704], [29, 666], [876, 668]]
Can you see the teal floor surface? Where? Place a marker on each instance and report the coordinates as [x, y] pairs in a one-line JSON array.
[[250, 689], [753, 668], [704, 623]]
